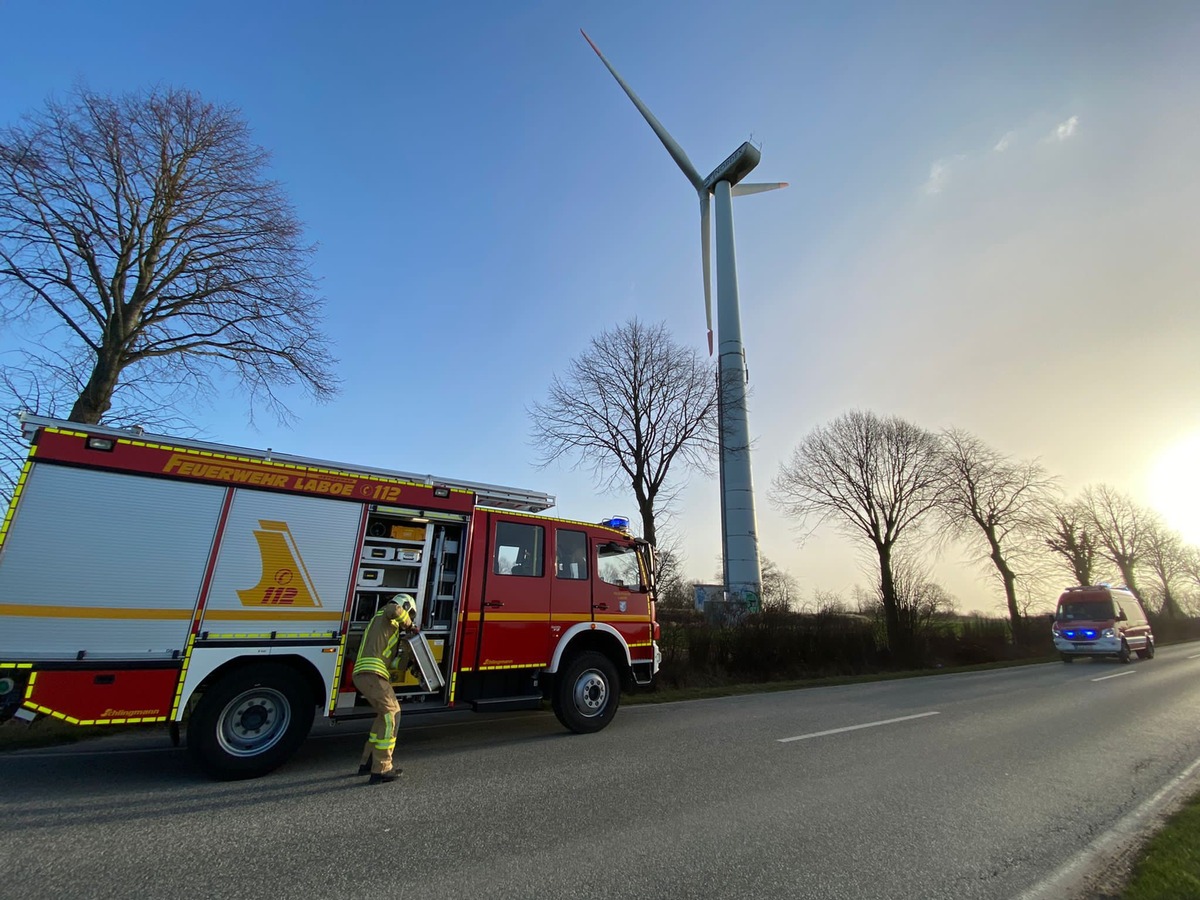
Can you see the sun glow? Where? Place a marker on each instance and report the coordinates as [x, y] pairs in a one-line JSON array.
[[1174, 487]]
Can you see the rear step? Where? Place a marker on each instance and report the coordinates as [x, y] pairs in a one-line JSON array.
[[504, 704]]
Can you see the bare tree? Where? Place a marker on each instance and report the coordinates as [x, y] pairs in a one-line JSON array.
[[631, 406], [920, 600], [996, 502], [1190, 559], [146, 251], [875, 478], [1166, 557], [780, 590], [674, 590], [1122, 530], [1067, 538]]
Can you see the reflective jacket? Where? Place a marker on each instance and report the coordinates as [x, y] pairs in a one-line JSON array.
[[381, 643]]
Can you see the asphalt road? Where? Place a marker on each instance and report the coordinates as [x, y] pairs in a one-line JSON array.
[[958, 786]]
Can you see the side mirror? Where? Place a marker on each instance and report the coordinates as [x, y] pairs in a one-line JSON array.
[[1121, 617]]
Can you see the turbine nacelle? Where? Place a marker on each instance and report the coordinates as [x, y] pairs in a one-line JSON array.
[[738, 165]]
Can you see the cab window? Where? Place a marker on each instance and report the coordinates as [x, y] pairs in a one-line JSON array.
[[571, 560], [519, 549], [618, 564]]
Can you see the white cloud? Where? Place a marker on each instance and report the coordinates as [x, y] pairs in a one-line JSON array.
[[1064, 130], [1005, 142], [939, 174]]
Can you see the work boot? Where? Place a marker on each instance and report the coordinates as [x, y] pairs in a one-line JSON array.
[[384, 777]]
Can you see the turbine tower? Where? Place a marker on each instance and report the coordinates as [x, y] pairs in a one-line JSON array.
[[739, 539]]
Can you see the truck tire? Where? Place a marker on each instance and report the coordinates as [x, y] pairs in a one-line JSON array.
[[1067, 657], [1148, 651], [586, 693], [249, 722], [1125, 656]]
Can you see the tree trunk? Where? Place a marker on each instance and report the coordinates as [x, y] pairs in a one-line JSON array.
[[1083, 571], [1009, 578], [1127, 573], [96, 397], [896, 638], [649, 532]]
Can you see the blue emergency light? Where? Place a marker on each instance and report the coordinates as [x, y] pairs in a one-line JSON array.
[[620, 523]]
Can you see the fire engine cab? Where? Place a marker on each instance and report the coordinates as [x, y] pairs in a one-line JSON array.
[[150, 579]]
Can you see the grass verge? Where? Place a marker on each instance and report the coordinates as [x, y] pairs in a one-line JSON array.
[[1169, 865]]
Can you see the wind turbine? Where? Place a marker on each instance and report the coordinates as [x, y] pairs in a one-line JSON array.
[[739, 545]]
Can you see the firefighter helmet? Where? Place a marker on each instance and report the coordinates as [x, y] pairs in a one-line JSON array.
[[408, 604]]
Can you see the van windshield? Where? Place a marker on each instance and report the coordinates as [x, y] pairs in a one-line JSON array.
[[1085, 610]]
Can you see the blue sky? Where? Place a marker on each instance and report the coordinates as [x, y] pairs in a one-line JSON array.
[[991, 221]]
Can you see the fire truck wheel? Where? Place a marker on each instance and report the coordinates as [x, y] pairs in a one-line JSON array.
[[586, 693], [250, 722], [1125, 656]]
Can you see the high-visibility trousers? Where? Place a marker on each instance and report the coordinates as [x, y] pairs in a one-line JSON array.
[[382, 739]]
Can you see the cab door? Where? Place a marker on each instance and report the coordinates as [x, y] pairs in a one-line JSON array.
[[621, 593], [514, 616], [571, 587]]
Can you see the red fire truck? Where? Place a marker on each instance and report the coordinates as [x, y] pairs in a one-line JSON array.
[[150, 579]]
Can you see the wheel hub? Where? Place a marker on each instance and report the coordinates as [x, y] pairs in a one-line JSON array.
[[591, 693], [253, 722], [252, 718]]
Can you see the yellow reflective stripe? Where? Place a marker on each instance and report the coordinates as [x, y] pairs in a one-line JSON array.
[[558, 617], [337, 674], [509, 617], [16, 495], [71, 720], [517, 666], [371, 664], [267, 635], [187, 658]]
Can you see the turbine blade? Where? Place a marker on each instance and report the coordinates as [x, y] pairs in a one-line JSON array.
[[705, 257], [673, 148], [740, 189]]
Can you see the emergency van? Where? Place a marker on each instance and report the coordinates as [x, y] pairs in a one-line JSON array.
[[150, 579], [1099, 620]]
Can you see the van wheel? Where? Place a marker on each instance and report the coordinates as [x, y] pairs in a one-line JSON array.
[[1125, 656], [250, 721], [1147, 653], [1067, 657], [587, 693]]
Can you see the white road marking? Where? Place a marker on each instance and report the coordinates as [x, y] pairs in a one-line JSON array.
[[816, 734], [1118, 675], [1130, 831], [1194, 656]]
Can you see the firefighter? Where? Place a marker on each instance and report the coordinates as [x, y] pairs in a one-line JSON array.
[[377, 657]]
